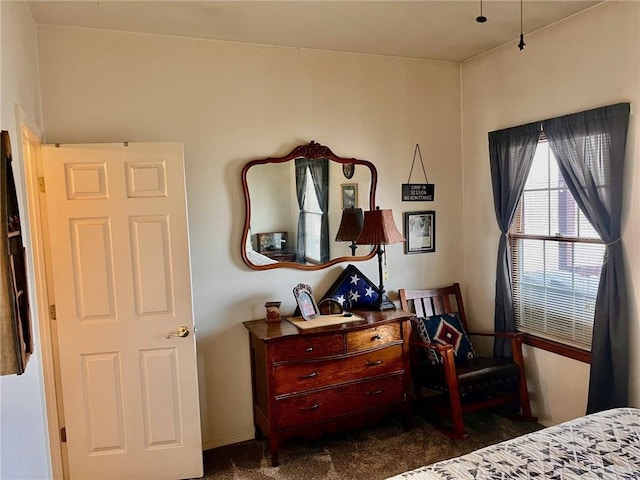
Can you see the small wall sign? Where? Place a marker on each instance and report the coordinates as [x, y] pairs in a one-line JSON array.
[[418, 192]]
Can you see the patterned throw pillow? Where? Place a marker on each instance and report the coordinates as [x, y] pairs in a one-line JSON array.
[[445, 329]]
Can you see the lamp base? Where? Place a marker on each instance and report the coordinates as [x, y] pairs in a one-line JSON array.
[[383, 303], [388, 305]]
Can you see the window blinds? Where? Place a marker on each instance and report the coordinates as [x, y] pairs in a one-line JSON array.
[[556, 258]]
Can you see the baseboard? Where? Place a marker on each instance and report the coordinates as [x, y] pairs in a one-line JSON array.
[[247, 435], [222, 441], [547, 422]]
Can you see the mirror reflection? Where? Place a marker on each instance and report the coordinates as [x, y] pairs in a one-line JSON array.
[[302, 210]]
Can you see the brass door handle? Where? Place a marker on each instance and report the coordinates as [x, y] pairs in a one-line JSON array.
[[182, 331]]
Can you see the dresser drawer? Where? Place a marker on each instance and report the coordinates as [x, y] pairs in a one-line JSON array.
[[308, 348], [373, 337], [299, 377], [328, 404]]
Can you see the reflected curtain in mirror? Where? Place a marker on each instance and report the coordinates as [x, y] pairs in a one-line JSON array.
[[320, 175], [301, 188], [313, 200]]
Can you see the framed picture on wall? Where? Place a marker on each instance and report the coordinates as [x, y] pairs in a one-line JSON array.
[[420, 232], [349, 195]]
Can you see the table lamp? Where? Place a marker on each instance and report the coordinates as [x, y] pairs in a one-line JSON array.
[[350, 227], [379, 229]]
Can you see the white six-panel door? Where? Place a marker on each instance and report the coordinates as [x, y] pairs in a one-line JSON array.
[[121, 274]]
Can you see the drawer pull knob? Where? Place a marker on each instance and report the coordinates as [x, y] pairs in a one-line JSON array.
[[309, 349], [376, 337], [309, 375], [373, 364], [375, 392], [311, 407]]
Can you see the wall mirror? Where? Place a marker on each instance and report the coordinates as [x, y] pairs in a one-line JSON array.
[[294, 207]]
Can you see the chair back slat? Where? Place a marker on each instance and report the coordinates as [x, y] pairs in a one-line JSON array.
[[428, 308], [446, 304], [435, 301], [437, 305]]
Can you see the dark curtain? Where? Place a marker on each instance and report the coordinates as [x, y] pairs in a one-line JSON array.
[[510, 154], [320, 175], [590, 149], [301, 185]]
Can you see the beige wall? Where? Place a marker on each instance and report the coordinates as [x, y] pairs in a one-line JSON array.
[[587, 61], [24, 447], [231, 103]]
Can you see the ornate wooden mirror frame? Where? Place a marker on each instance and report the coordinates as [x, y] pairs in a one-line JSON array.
[[279, 180]]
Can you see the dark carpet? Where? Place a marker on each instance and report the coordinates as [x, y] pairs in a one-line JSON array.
[[372, 453]]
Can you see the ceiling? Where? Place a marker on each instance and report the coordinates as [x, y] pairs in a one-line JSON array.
[[427, 29]]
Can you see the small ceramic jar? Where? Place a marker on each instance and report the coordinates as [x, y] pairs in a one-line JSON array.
[[273, 312]]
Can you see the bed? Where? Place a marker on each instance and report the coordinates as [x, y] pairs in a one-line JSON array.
[[604, 445], [255, 257]]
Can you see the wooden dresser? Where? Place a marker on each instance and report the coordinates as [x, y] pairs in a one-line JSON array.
[[281, 255], [317, 381]]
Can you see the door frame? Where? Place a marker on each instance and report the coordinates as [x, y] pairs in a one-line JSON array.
[[29, 150]]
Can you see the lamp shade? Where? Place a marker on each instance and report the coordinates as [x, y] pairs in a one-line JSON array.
[[379, 229], [350, 225]]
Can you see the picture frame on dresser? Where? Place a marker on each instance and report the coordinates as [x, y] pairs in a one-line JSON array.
[[306, 303]]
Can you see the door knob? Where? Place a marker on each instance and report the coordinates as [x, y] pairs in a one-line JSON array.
[[182, 331]]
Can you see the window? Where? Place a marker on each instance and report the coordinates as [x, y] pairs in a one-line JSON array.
[[556, 258], [312, 221]]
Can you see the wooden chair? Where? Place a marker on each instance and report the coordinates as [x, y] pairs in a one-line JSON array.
[[471, 384]]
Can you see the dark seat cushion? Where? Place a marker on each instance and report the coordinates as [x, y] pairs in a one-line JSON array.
[[474, 375]]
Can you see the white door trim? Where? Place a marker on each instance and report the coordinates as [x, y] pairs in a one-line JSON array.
[[32, 138]]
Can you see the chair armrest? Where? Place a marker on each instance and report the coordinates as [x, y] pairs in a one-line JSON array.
[[448, 363], [439, 348], [517, 339]]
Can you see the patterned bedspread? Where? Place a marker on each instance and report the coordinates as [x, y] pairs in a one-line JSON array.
[[603, 445]]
